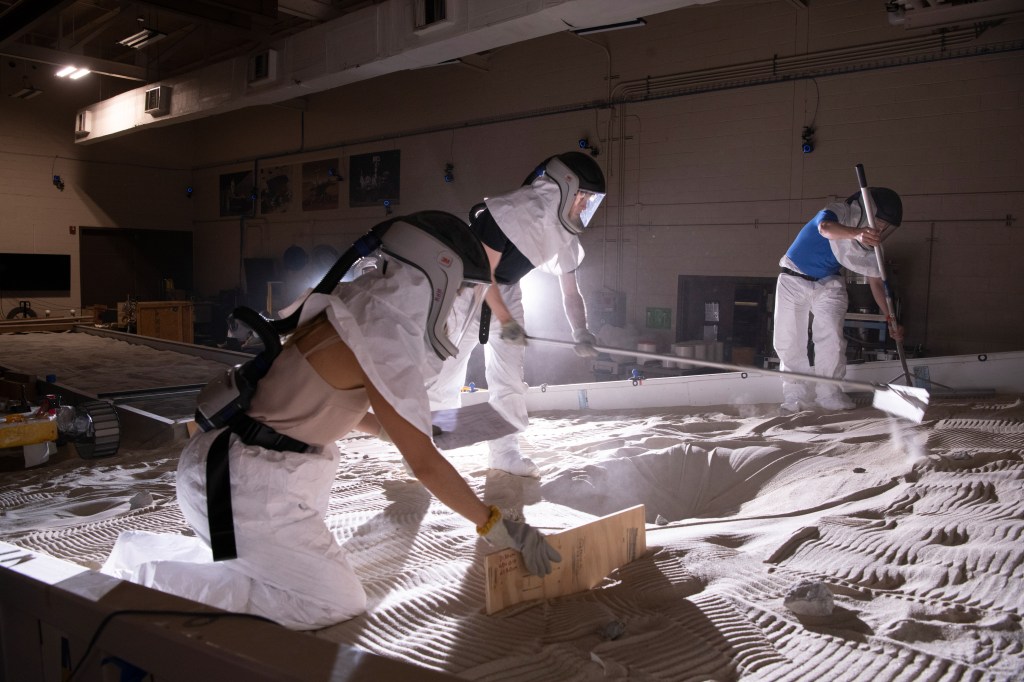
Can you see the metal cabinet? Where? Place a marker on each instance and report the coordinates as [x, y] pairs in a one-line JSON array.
[[733, 310]]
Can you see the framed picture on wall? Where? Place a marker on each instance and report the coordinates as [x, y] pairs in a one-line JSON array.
[[236, 193], [275, 189], [374, 178], [320, 185]]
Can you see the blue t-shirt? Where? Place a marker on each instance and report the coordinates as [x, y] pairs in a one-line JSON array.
[[811, 252]]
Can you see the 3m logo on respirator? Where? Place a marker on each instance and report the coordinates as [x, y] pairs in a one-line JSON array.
[[445, 259]]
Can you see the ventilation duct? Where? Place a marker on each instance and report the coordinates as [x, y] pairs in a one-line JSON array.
[[263, 67], [158, 100], [379, 39], [82, 124], [931, 13], [430, 13]]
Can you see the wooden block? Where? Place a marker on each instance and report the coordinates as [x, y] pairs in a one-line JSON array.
[[589, 553]]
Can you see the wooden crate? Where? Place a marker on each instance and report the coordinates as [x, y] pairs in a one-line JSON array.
[[170, 320]]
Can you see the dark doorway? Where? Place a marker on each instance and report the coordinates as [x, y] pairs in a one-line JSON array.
[[146, 265], [734, 310]]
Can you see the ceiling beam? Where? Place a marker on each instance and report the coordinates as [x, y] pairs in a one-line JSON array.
[[88, 32], [236, 13], [19, 19], [259, 8], [311, 10], [43, 55]]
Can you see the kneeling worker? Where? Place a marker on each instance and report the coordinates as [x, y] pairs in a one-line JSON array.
[[358, 348]]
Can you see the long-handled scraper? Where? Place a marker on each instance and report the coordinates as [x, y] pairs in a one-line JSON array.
[[900, 401], [869, 211]]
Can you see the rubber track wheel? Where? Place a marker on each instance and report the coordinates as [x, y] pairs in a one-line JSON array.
[[104, 438]]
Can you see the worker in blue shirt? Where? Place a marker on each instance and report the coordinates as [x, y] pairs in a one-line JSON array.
[[811, 292]]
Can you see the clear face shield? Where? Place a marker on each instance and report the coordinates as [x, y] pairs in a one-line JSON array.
[[361, 267], [885, 228], [583, 207], [465, 311]]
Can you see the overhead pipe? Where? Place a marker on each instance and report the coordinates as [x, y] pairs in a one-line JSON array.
[[841, 60], [641, 89]]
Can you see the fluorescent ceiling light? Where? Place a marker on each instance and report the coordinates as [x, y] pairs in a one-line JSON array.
[[66, 71], [610, 27], [146, 36], [79, 73], [28, 92]]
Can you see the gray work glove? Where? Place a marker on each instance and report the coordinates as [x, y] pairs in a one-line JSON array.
[[528, 541], [585, 342], [512, 332]]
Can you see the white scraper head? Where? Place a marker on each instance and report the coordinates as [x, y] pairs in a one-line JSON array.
[[902, 401]]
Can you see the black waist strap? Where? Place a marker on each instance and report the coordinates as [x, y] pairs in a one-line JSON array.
[[801, 275], [218, 478], [253, 432]]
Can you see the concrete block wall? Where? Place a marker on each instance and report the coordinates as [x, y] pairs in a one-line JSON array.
[[136, 183], [701, 182]]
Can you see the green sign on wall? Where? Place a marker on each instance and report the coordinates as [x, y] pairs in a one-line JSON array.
[[659, 318]]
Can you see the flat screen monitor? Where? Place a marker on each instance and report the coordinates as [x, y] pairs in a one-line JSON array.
[[35, 272]]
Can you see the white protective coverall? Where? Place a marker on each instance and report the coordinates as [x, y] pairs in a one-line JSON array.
[[796, 299], [528, 216], [290, 568]]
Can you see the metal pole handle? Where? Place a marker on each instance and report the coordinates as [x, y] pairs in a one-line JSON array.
[[869, 211]]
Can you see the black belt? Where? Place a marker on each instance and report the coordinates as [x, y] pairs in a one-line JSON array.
[[253, 432], [794, 273], [218, 477]]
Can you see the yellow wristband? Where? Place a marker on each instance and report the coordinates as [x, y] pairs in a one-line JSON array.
[[491, 520]]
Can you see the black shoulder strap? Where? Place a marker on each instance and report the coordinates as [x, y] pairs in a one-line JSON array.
[[218, 475], [218, 499], [363, 246]]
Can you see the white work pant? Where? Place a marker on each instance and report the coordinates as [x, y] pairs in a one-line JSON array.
[[289, 568], [503, 366], [796, 300]]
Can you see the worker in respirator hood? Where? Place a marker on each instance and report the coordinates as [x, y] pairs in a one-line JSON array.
[[361, 347], [811, 283], [536, 226]]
